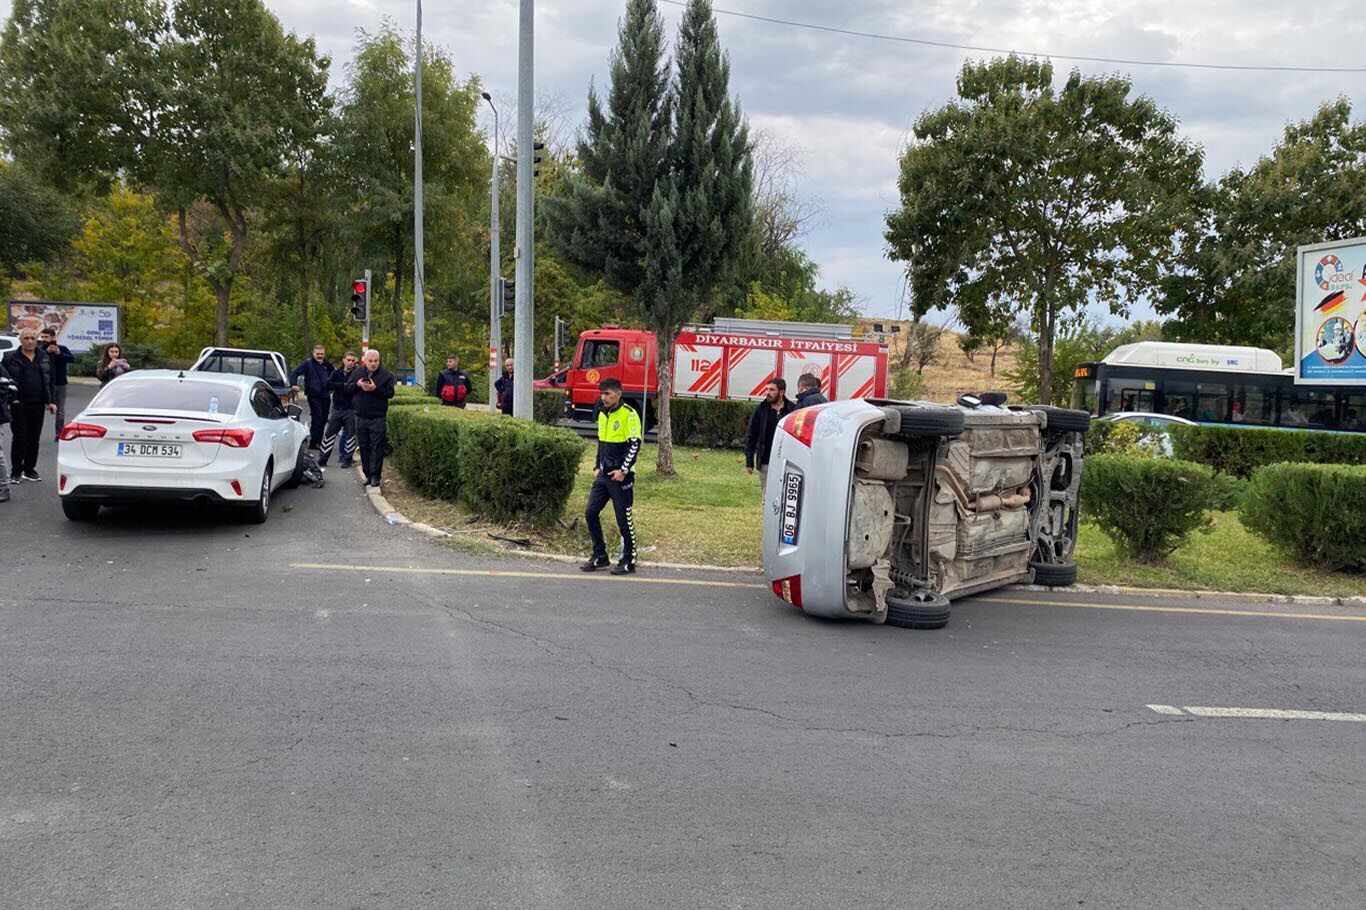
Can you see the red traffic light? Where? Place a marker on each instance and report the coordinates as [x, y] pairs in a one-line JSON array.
[[358, 286]]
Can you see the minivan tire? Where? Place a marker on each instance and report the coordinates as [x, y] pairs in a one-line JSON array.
[[260, 510], [1050, 575], [918, 610], [1064, 420], [921, 421], [296, 477]]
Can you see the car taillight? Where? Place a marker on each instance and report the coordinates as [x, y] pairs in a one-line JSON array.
[[801, 425], [76, 430], [789, 589], [235, 438]]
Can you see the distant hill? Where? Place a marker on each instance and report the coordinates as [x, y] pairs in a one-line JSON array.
[[952, 373]]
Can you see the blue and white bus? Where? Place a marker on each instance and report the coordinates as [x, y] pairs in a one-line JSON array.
[[1213, 384]]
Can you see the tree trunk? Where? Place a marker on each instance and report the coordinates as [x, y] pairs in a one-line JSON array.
[[222, 291], [664, 460], [303, 287], [1046, 319], [995, 349]]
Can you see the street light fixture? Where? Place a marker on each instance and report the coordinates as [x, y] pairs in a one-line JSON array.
[[495, 324]]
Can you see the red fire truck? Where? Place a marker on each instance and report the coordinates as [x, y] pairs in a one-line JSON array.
[[730, 359]]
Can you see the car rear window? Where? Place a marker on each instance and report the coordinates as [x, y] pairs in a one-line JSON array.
[[169, 395], [259, 365]]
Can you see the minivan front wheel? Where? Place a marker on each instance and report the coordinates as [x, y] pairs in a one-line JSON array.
[[1051, 575], [918, 610]]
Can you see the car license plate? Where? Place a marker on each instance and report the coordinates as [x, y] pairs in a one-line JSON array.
[[148, 450], [792, 507]]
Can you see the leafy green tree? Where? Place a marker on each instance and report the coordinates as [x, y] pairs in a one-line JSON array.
[[36, 221], [1030, 199], [374, 155], [1238, 283], [662, 200]]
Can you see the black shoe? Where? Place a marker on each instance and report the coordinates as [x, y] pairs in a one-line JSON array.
[[595, 563], [621, 569], [345, 464], [32, 476], [375, 483], [16, 478]]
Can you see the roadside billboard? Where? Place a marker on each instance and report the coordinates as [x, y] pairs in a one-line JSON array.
[[80, 326], [1330, 313]]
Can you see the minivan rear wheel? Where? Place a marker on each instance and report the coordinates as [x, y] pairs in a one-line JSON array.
[[1054, 575], [921, 421], [918, 610]]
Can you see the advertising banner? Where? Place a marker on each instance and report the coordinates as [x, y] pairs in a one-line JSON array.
[[80, 326], [1330, 313]]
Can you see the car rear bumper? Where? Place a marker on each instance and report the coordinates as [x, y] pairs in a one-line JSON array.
[[81, 479], [118, 495]]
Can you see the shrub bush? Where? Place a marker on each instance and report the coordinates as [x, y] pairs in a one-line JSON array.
[[401, 400], [547, 405], [1311, 511], [507, 470], [1147, 506], [710, 423], [1240, 451]]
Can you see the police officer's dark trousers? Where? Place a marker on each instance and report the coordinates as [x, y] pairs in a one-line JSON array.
[[622, 495], [371, 434]]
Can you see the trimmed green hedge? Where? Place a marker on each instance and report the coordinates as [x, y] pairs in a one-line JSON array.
[[710, 423], [1147, 506], [507, 470], [410, 401], [547, 405], [1311, 511], [1240, 451]]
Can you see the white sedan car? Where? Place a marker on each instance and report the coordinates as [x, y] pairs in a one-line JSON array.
[[161, 435]]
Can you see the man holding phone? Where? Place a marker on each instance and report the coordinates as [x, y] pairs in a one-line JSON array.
[[371, 387]]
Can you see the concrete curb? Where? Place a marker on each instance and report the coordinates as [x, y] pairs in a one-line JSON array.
[[394, 517]]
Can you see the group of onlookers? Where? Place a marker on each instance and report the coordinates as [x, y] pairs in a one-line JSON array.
[[33, 382], [349, 406], [763, 423]]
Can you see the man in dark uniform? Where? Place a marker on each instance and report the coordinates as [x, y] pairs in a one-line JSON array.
[[313, 374], [619, 439], [371, 387], [455, 379], [342, 420], [809, 391], [29, 368], [762, 424]]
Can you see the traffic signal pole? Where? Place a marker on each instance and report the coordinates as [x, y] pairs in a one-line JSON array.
[[419, 301], [365, 331], [523, 348]]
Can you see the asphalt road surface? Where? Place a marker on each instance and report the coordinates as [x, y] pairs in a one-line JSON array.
[[193, 715]]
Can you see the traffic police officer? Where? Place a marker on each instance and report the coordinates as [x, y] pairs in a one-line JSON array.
[[619, 438]]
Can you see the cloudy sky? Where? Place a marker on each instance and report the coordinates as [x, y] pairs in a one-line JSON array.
[[847, 102]]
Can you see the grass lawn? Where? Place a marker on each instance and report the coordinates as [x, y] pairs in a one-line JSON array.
[[709, 514]]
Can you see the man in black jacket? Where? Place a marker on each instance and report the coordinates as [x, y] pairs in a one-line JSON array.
[[371, 387], [7, 390], [343, 417], [29, 368], [762, 424], [60, 356], [503, 385], [313, 374], [455, 379], [809, 391]]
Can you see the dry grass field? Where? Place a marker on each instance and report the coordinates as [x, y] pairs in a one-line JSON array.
[[952, 373]]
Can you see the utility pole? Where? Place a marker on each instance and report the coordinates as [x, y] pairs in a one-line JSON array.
[[524, 350], [419, 307], [495, 319]]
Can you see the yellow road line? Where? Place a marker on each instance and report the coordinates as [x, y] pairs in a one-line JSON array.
[[1136, 608], [556, 576]]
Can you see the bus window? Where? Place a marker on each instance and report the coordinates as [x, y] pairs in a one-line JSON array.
[[1251, 404], [1309, 410], [1179, 399], [1354, 412], [1128, 399], [1211, 403], [1086, 396]]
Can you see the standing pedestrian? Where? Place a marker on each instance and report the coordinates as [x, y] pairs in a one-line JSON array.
[[60, 356], [112, 364], [762, 424], [453, 384], [343, 418], [28, 367], [371, 387], [504, 387], [7, 392], [809, 391], [619, 438], [314, 373]]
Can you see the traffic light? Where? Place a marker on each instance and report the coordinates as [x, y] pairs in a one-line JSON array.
[[536, 148], [507, 295], [360, 299]]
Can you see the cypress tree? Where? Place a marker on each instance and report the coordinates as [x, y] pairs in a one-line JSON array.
[[661, 202]]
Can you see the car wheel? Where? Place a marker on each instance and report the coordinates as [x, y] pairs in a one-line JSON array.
[[1064, 420], [296, 476], [261, 508], [922, 421], [80, 511], [1051, 575], [918, 610]]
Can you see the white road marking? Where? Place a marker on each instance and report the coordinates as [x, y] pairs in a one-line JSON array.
[[1198, 611], [1258, 713], [598, 577]]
